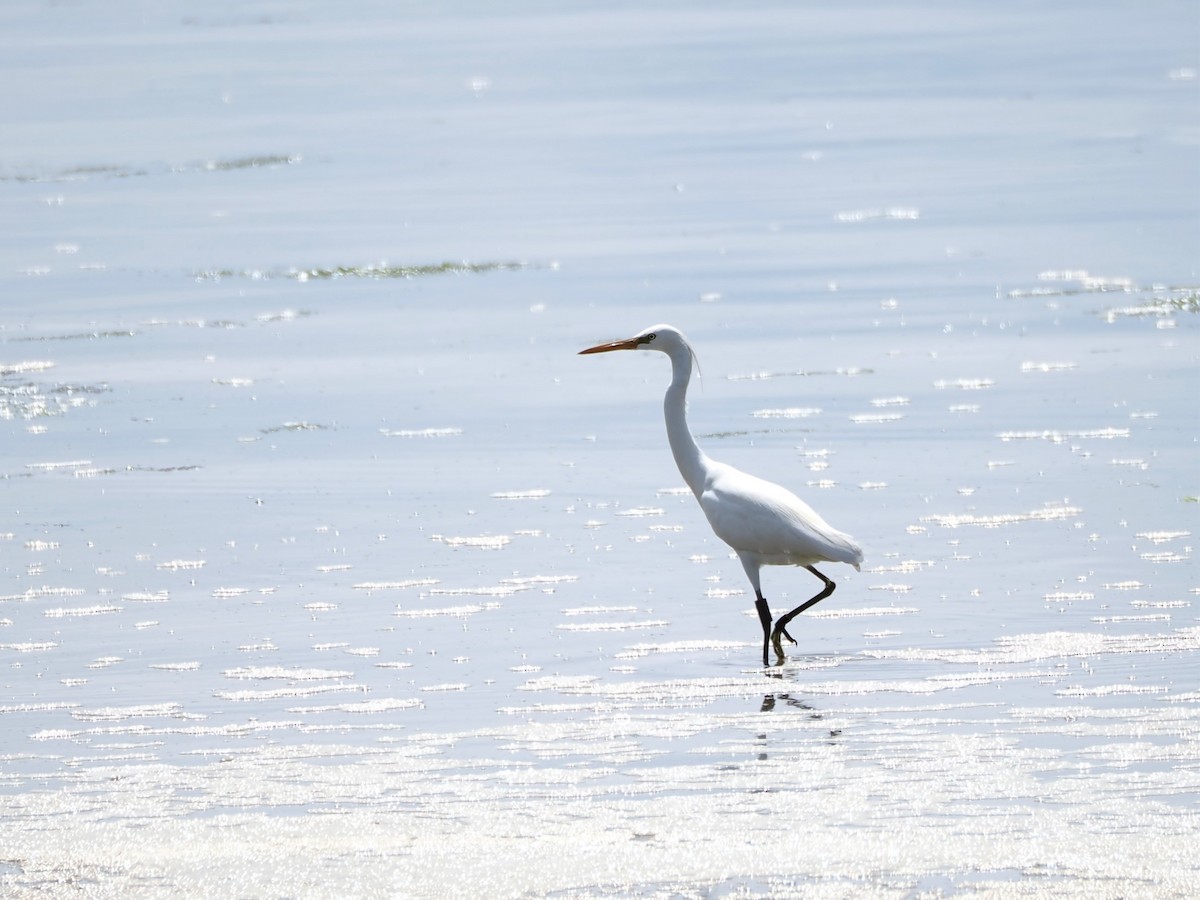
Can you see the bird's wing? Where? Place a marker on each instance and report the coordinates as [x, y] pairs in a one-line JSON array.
[[756, 516]]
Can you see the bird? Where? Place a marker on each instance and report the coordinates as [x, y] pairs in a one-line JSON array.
[[764, 523]]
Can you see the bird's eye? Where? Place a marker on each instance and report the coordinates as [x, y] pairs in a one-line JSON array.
[[651, 337]]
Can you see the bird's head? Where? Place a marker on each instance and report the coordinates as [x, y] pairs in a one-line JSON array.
[[657, 337]]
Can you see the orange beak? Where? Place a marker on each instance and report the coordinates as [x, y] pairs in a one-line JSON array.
[[627, 344]]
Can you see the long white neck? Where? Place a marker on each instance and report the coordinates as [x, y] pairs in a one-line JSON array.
[[688, 456]]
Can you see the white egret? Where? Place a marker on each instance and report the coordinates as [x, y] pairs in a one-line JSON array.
[[764, 523]]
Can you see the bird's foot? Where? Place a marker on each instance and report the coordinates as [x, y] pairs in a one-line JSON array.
[[777, 634], [777, 645]]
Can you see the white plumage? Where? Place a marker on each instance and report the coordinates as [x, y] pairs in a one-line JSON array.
[[765, 524]]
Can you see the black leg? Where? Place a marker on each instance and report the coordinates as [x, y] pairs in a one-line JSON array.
[[764, 616], [781, 625]]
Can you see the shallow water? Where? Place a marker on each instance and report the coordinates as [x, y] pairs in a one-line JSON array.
[[329, 568]]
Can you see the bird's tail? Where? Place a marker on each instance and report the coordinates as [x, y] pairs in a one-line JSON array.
[[855, 557]]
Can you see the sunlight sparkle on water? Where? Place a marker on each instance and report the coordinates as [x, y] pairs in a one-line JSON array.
[[297, 375]]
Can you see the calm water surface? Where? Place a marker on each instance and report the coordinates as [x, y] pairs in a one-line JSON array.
[[327, 568]]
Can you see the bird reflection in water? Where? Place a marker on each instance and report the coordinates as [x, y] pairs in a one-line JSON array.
[[769, 704], [769, 701]]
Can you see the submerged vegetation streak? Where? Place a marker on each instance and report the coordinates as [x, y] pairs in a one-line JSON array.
[[105, 170], [79, 336], [250, 162], [1153, 300], [411, 271], [380, 271], [1186, 302]]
